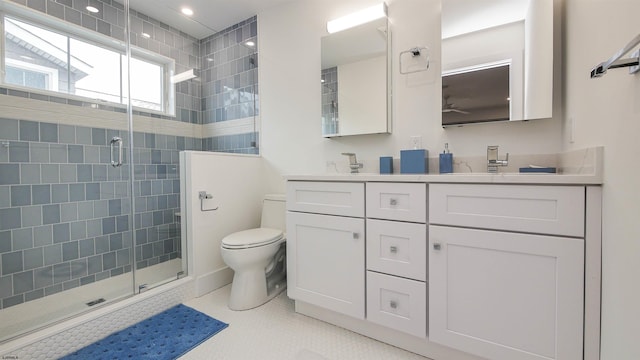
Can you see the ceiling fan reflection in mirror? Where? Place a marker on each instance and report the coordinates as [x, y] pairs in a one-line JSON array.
[[450, 107]]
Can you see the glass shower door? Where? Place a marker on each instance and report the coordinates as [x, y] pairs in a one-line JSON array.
[[66, 229]]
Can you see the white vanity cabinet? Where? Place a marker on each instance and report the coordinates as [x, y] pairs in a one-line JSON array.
[[326, 245], [506, 270], [457, 269]]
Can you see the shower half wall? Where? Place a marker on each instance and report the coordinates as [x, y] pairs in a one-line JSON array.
[[68, 220]]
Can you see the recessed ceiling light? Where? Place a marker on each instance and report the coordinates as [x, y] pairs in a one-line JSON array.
[[92, 9], [26, 57], [250, 43], [145, 35], [209, 59], [187, 11]]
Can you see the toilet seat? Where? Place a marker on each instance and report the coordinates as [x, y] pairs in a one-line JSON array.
[[252, 238]]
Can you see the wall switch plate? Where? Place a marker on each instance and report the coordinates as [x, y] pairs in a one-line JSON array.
[[416, 141]]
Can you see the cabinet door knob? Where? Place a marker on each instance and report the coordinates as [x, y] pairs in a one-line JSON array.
[[393, 304], [356, 235], [436, 246], [393, 202], [393, 249]]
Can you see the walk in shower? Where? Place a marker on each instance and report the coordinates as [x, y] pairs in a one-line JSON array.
[[96, 102]]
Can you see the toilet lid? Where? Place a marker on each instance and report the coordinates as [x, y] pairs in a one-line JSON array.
[[252, 238]]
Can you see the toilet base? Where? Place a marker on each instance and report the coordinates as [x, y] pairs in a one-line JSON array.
[[243, 299]]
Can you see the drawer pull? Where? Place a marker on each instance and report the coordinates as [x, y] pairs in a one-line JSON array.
[[436, 246], [393, 304], [393, 202], [393, 249], [356, 235]]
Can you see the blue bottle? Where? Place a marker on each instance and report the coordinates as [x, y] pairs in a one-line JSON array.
[[446, 161]]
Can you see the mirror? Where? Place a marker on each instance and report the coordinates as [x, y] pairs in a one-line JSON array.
[[497, 60], [355, 80]]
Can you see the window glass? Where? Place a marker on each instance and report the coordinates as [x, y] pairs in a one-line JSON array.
[[34, 57], [43, 59], [146, 80], [95, 72]]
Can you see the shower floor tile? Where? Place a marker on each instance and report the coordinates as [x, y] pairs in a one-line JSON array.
[[275, 331]]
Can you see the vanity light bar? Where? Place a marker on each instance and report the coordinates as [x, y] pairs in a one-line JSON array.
[[357, 18]]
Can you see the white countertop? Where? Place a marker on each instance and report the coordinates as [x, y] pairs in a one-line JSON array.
[[477, 178], [577, 167]]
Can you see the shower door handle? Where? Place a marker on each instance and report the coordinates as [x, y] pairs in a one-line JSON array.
[[116, 141]]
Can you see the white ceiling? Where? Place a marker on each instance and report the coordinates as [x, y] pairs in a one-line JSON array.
[[210, 16]]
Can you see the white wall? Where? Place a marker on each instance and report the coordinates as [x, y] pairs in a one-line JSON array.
[[234, 181], [539, 59], [606, 111], [290, 96]]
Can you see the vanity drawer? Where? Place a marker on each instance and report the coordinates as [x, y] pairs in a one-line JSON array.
[[332, 198], [397, 201], [397, 303], [556, 210], [397, 248]]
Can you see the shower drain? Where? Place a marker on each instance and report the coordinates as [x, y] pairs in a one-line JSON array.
[[95, 302]]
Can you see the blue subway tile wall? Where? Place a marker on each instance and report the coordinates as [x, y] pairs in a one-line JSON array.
[[64, 211], [64, 219], [230, 73]]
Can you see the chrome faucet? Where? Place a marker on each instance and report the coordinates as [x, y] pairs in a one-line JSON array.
[[492, 159], [354, 165]]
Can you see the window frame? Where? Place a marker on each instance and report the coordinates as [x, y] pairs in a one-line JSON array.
[[72, 31], [51, 74]]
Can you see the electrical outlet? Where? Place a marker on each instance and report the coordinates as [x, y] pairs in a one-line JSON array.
[[416, 141]]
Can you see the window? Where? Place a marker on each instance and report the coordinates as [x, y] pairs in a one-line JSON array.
[[48, 59], [30, 75]]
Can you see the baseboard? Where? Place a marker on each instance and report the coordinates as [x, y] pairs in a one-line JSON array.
[[213, 280]]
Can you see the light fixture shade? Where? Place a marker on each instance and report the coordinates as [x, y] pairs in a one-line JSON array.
[[357, 18], [183, 76]]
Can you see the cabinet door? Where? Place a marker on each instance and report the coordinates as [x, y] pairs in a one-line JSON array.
[[506, 296], [325, 262]]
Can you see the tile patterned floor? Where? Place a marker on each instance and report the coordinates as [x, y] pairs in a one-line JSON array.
[[275, 331]]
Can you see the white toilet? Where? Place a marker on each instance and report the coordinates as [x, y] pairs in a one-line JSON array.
[[258, 257]]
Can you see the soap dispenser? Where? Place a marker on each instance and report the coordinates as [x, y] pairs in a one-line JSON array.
[[446, 160]]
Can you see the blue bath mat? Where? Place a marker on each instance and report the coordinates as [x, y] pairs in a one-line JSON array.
[[167, 335]]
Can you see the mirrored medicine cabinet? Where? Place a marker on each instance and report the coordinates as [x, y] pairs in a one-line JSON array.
[[356, 80], [497, 60]]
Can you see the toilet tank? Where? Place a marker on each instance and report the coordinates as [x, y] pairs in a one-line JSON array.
[[274, 212]]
